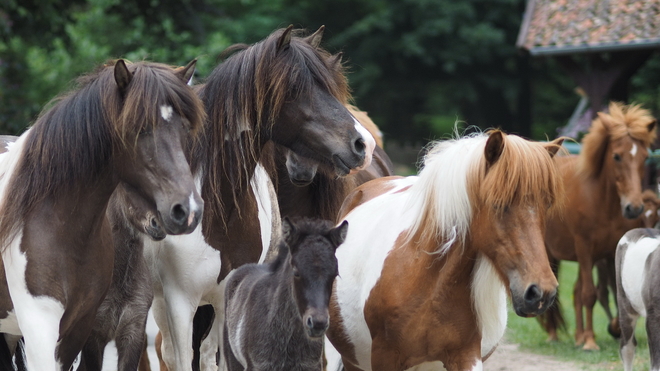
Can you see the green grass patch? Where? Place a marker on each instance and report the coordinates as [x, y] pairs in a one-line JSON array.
[[532, 338]]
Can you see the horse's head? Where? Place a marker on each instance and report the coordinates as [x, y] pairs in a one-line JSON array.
[[616, 147], [301, 169], [309, 116], [519, 184], [312, 243], [138, 212], [158, 115], [651, 215]]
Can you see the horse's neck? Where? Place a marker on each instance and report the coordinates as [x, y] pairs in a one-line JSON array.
[[605, 193]]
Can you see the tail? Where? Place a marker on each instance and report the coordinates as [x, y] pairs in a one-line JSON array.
[[19, 356], [552, 320], [202, 323]]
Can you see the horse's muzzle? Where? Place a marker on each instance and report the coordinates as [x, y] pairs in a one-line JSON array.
[[534, 301]]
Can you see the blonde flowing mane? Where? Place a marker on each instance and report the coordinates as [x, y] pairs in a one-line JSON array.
[[623, 120], [456, 181]]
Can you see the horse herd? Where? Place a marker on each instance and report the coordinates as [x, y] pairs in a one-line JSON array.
[[263, 193]]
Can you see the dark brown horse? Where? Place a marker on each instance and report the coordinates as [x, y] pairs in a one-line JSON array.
[[603, 201], [285, 89], [124, 123]]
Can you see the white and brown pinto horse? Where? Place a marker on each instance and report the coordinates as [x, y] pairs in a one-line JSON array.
[[428, 261], [637, 279], [125, 123], [285, 89]]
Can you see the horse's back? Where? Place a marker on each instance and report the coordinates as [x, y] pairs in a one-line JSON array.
[[637, 265], [367, 192]]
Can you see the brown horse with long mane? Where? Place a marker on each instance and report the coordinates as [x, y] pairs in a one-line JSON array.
[[125, 123], [603, 201]]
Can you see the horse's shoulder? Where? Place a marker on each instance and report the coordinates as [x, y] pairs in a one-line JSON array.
[[366, 192]]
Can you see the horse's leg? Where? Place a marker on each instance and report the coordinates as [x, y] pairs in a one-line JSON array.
[[602, 288], [613, 327], [158, 344], [627, 342], [91, 357], [552, 318], [144, 358], [174, 316], [588, 298], [131, 337], [38, 316], [653, 332], [577, 306], [230, 360]]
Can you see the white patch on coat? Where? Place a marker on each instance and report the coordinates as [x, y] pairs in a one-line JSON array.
[[166, 112], [356, 279], [9, 325], [489, 300], [633, 150], [38, 316], [633, 271], [261, 184]]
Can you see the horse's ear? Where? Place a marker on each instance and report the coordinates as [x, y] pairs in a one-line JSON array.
[[652, 124], [554, 146], [123, 76], [336, 59], [494, 147], [186, 73], [605, 119], [287, 229], [337, 235], [315, 38], [285, 39]]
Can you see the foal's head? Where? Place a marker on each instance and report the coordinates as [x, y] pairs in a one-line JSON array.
[[312, 243], [137, 211], [616, 148], [651, 215]]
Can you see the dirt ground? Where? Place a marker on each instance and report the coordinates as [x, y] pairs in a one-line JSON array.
[[507, 357]]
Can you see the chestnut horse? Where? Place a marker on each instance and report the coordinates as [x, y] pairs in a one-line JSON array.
[[427, 263], [603, 201], [284, 88], [125, 123]]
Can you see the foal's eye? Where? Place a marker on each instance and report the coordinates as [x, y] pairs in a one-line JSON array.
[[617, 157], [296, 273]]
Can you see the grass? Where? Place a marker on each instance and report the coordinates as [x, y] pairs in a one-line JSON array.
[[532, 338]]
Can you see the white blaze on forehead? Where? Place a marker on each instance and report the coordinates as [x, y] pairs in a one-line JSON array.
[[633, 150], [166, 112], [369, 144]]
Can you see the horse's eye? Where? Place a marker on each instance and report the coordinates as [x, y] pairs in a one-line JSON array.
[[296, 273], [617, 157]]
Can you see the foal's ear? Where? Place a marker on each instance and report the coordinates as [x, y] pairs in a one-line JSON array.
[[285, 39], [186, 73], [315, 38], [652, 124], [337, 235], [288, 229], [554, 146], [123, 76], [494, 147]]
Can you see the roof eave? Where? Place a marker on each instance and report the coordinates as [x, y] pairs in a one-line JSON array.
[[543, 51]]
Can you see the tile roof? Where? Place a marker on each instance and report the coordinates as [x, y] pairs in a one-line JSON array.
[[578, 26]]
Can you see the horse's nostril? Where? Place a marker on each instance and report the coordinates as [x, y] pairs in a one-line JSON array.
[[533, 294], [179, 213], [359, 146], [310, 322], [154, 223]]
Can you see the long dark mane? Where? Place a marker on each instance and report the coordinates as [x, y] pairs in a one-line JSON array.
[[73, 141], [243, 97]]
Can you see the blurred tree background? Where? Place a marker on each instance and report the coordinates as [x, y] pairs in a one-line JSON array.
[[417, 66]]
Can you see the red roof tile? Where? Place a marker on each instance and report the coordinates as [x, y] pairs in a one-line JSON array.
[[577, 26]]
